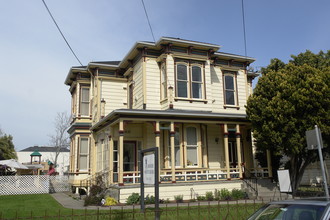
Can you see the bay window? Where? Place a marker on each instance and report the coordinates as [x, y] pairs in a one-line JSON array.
[[83, 153], [84, 101]]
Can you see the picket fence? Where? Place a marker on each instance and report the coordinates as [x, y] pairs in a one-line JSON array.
[[32, 184]]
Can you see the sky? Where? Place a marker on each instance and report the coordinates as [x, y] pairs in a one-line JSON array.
[[35, 59]]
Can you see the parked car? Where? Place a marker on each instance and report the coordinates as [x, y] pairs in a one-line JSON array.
[[304, 209]]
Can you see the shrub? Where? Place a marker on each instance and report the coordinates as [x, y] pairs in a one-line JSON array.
[[237, 194], [109, 201], [209, 196], [225, 194], [92, 200], [149, 199], [133, 199], [201, 198], [178, 198], [217, 196]]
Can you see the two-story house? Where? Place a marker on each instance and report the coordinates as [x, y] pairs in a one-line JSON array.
[[185, 97]]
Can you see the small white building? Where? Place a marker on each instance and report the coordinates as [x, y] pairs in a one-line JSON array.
[[47, 154]]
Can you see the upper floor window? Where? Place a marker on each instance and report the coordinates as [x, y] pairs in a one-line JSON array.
[[163, 82], [230, 88], [84, 101], [189, 81]]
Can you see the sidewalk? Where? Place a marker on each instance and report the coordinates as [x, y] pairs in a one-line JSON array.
[[67, 200]]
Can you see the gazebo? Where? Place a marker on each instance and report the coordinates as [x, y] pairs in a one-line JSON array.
[[36, 154]]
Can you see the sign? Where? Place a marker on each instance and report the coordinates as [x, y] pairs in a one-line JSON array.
[[284, 180], [149, 169], [311, 137]]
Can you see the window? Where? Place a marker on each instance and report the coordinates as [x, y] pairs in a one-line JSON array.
[[83, 154], [106, 154], [84, 101], [163, 82], [177, 144], [189, 81], [115, 161], [230, 88], [192, 146]]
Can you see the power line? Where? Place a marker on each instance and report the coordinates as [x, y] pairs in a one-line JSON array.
[[145, 10], [61, 32], [244, 27]]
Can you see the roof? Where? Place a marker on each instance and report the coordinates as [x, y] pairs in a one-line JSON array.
[[36, 153], [169, 114], [43, 149], [155, 46]]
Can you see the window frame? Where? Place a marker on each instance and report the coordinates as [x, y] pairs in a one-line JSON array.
[[163, 81], [196, 146], [81, 102], [232, 74], [189, 81], [80, 154]]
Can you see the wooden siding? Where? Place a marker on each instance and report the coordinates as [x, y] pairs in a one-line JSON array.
[[215, 150], [188, 190], [115, 95], [138, 85], [153, 84]]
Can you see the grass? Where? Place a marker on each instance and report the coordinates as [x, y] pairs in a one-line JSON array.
[[44, 206]]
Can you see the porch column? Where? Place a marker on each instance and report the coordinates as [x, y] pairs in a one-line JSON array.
[[157, 140], [111, 155], [225, 138], [121, 153], [172, 152], [269, 164], [239, 154]]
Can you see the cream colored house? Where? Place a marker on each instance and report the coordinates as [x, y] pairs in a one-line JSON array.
[[185, 97]]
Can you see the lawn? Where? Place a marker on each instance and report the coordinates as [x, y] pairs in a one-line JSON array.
[[44, 206]]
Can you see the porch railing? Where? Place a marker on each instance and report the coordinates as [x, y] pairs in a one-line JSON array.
[[185, 175]]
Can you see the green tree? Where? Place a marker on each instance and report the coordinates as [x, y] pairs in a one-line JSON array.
[[288, 100], [7, 148]]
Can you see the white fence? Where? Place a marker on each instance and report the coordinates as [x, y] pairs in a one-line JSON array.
[[31, 184]]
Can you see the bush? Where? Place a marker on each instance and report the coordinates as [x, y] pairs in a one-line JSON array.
[[133, 199], [178, 198], [109, 201], [225, 194], [201, 198], [92, 200], [209, 196], [217, 196], [149, 200], [237, 194]]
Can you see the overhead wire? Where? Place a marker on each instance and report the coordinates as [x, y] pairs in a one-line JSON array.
[[145, 10], [243, 19], [58, 28]]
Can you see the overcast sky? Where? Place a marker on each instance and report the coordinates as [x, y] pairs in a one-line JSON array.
[[35, 59]]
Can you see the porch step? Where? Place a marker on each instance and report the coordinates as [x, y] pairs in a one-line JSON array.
[[264, 189]]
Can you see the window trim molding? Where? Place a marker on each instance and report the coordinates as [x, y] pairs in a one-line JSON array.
[[234, 74]]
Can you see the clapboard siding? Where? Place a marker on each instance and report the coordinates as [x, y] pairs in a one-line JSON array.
[[138, 85], [115, 95], [215, 150], [153, 84], [188, 190]]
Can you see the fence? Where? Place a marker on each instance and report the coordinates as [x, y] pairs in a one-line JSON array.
[[235, 210], [32, 184]]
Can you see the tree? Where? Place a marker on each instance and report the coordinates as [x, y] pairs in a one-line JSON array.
[[288, 100], [60, 140], [7, 148]]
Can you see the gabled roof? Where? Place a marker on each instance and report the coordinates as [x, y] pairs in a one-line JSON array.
[[43, 149]]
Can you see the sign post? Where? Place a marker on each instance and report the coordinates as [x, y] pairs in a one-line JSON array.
[[149, 175], [314, 139]]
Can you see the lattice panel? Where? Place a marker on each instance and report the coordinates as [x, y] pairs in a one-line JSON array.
[[19, 185]]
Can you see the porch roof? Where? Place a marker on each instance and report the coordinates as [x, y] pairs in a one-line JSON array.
[[168, 115]]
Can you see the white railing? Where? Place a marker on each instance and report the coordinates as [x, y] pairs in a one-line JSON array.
[[185, 175], [261, 172], [32, 184]]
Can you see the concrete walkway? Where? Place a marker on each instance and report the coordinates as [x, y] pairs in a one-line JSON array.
[[71, 201]]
